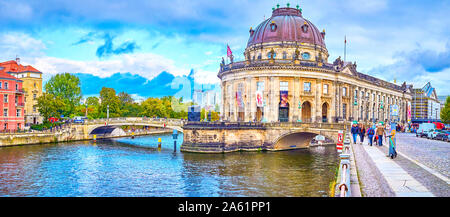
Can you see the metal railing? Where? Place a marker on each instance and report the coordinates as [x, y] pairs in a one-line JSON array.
[[344, 168]]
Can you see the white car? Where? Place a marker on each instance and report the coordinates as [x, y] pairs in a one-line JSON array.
[[432, 133]]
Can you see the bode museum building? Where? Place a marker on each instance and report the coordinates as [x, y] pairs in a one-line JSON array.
[[287, 77]]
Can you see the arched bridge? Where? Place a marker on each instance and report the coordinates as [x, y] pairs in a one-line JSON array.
[[110, 124], [227, 137]]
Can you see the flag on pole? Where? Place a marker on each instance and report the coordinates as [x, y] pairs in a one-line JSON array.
[[229, 53]]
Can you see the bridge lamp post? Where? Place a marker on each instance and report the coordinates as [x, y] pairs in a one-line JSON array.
[[107, 112]]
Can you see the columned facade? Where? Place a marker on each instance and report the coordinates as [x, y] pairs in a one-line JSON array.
[[286, 77]]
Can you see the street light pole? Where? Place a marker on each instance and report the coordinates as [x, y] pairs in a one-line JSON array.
[[107, 112]]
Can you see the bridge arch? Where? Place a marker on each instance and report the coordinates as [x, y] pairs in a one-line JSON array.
[[299, 139]]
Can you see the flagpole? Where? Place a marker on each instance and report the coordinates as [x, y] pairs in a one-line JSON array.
[[345, 48]]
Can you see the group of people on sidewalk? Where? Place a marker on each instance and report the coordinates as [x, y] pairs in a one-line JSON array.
[[375, 134]]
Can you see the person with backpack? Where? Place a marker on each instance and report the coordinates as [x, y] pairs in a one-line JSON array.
[[362, 132], [370, 134], [354, 130], [380, 132]]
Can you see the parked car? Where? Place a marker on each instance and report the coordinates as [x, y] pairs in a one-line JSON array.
[[443, 135], [432, 133], [78, 120], [424, 128]]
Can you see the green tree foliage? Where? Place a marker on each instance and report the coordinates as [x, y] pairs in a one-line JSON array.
[[108, 97], [167, 106], [50, 105], [67, 88], [445, 112], [92, 101]]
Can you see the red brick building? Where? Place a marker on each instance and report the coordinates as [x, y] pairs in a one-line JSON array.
[[11, 102]]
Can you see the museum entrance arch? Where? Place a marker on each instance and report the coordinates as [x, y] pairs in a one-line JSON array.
[[283, 113], [325, 112], [306, 112]]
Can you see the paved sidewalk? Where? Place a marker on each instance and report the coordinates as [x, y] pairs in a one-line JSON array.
[[403, 184]]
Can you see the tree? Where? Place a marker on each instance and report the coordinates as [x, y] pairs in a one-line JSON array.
[[108, 98], [67, 88], [445, 112], [92, 101], [50, 105]]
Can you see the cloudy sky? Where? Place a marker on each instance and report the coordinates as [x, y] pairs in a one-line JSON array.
[[406, 40]]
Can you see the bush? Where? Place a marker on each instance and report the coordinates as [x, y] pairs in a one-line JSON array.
[[45, 125]]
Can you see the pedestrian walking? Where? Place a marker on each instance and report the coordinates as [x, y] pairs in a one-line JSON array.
[[354, 131], [362, 132], [380, 132], [392, 145], [370, 134]]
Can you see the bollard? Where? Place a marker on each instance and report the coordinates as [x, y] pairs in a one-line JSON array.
[[159, 142]]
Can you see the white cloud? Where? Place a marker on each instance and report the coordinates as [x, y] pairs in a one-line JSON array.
[[14, 43], [147, 65]]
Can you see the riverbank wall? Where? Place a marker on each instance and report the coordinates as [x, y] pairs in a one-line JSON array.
[[70, 134], [224, 137]]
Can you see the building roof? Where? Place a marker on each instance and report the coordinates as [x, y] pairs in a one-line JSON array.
[[286, 24], [13, 67]]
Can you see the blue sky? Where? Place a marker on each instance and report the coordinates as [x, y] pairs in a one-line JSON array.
[[406, 40]]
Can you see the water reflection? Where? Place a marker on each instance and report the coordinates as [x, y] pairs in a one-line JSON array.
[[135, 167]]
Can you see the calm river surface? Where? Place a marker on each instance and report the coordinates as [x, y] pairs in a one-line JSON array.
[[135, 167]]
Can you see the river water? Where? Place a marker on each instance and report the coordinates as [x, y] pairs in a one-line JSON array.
[[136, 167]]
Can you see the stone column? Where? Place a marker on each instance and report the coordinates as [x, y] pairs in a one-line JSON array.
[[247, 93], [224, 102], [318, 99], [333, 107], [294, 106]]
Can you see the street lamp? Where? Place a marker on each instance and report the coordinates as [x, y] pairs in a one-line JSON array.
[[107, 112]]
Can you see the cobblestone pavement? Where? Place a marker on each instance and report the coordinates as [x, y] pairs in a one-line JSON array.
[[431, 153]]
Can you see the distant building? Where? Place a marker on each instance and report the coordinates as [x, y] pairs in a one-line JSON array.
[[11, 102], [206, 98], [442, 100], [32, 85], [425, 105]]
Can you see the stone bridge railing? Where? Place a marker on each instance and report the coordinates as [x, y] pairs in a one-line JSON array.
[[259, 125], [144, 120]]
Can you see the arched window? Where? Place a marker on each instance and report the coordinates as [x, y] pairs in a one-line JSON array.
[[305, 28], [306, 56]]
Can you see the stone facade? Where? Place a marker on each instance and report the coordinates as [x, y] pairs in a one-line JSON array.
[[297, 66], [228, 137]]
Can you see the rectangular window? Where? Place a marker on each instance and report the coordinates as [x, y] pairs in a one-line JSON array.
[[307, 87], [34, 96], [344, 111], [344, 91], [284, 86], [5, 98], [17, 87], [6, 85], [34, 108], [260, 85], [18, 112], [5, 112], [1, 85], [325, 88], [5, 126]]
